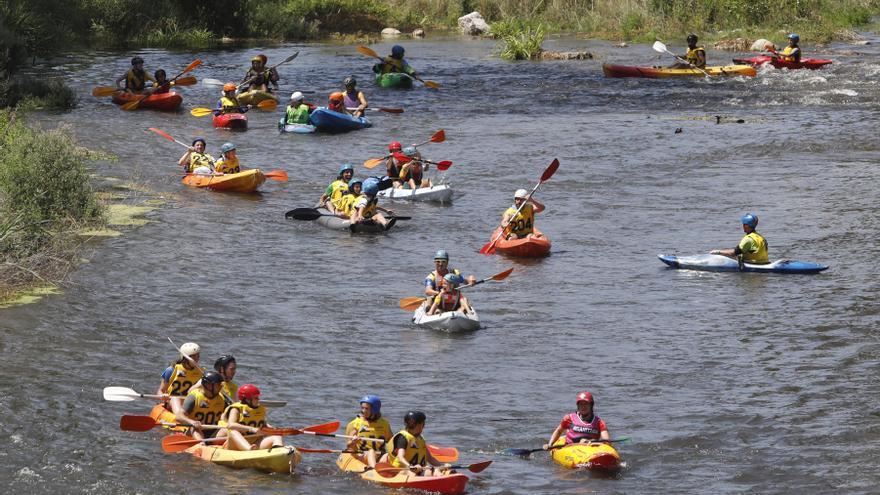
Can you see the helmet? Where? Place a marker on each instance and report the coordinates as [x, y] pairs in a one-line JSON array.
[[344, 167], [397, 51], [692, 37], [584, 396], [394, 146], [212, 377], [257, 58], [137, 60], [199, 138], [296, 96], [223, 361], [520, 193], [262, 58], [750, 219], [441, 254], [414, 417], [374, 402], [354, 181], [190, 348], [227, 147], [452, 279], [349, 81], [336, 96], [371, 186], [229, 87], [794, 37], [248, 391], [410, 151]]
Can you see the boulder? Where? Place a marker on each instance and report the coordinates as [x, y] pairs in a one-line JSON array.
[[390, 33], [551, 55], [734, 45], [418, 33], [760, 45], [473, 24]]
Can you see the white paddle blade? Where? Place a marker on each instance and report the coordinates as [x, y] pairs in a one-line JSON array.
[[212, 82], [120, 394], [659, 47]]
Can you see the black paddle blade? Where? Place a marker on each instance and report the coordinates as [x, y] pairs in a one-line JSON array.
[[518, 452], [303, 214]]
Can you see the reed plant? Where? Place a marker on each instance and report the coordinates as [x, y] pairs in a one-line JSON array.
[[521, 40]]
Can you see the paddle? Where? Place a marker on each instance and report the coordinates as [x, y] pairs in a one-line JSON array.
[[265, 105], [167, 136], [444, 165], [386, 470], [443, 454], [365, 50], [179, 442], [325, 451], [324, 429], [528, 452], [146, 423], [288, 59], [309, 214], [489, 248], [437, 137], [124, 394], [412, 303], [379, 109], [132, 105], [660, 47]]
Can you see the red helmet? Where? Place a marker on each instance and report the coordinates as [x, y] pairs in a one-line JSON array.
[[395, 146], [248, 391], [582, 396]]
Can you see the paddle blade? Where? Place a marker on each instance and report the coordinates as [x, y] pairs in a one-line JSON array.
[[161, 133], [119, 394], [438, 136], [267, 105], [186, 81], [518, 452], [137, 423], [365, 50], [306, 214], [479, 466], [325, 428], [488, 248], [133, 105], [279, 175], [373, 162], [201, 112], [659, 47], [104, 91], [390, 110], [178, 442], [212, 82], [411, 303], [444, 165], [443, 454], [402, 158], [550, 170], [501, 276], [431, 84], [195, 63]]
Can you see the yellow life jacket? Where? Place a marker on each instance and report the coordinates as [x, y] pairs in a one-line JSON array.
[[523, 223], [197, 160], [338, 188], [208, 411], [229, 391], [229, 105], [370, 209], [247, 415], [760, 256], [369, 429], [137, 80], [416, 452], [345, 204], [182, 379], [786, 53], [391, 64], [227, 166], [693, 58]]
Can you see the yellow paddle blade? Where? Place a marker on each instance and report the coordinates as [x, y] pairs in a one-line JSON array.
[[267, 105], [411, 303], [99, 91], [432, 84], [134, 104], [201, 112], [373, 162], [186, 81], [365, 50]]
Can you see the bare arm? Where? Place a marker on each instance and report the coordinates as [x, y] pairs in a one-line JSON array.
[[539, 207], [554, 437]]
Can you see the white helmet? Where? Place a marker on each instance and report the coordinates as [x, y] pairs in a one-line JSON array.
[[190, 348], [296, 96], [520, 193]]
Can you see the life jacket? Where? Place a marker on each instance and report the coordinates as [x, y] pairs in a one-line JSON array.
[[760, 256], [391, 64], [208, 411], [693, 58], [162, 88], [136, 80], [407, 172], [790, 54], [229, 391], [369, 429], [448, 301], [298, 115], [392, 168], [257, 78], [227, 166], [197, 160], [580, 430], [369, 205], [351, 100], [431, 279], [228, 105], [523, 223], [338, 188], [247, 415], [182, 379], [345, 204], [416, 452]]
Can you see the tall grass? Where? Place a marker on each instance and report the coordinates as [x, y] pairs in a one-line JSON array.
[[521, 40]]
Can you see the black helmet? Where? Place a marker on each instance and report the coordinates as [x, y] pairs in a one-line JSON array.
[[212, 377], [414, 418], [349, 81], [137, 60], [692, 37], [222, 361]]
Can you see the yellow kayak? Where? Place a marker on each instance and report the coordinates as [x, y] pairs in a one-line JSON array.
[[447, 484], [243, 182], [275, 460], [598, 456], [255, 96], [664, 72]]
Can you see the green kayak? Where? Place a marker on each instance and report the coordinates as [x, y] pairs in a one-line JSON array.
[[394, 80]]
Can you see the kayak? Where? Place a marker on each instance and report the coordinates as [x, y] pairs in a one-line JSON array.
[[718, 263], [162, 415], [441, 193], [447, 484], [805, 63], [329, 121], [394, 80], [449, 321], [243, 182], [528, 247], [254, 97], [295, 128], [664, 72], [598, 456], [157, 101], [333, 222], [273, 460], [231, 121]]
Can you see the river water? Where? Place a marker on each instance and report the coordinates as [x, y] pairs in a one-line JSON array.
[[727, 383]]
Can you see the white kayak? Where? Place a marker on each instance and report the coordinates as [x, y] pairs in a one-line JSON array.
[[450, 321], [441, 193], [718, 263]]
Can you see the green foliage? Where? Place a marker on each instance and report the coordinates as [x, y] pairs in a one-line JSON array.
[[37, 93], [306, 19], [522, 43], [168, 32]]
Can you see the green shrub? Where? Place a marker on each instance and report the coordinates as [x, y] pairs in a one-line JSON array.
[[37, 93], [524, 44], [168, 32]]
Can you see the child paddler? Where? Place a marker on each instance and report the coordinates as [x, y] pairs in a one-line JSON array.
[[408, 449], [368, 424], [178, 378]]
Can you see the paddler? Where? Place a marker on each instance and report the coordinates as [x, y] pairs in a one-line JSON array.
[[580, 426], [344, 206], [297, 111], [258, 77], [412, 172], [522, 224], [226, 366], [752, 248], [162, 84], [247, 416], [178, 378], [366, 207], [792, 52], [392, 166], [355, 101], [441, 269], [195, 160], [695, 56], [408, 449], [228, 102], [203, 406], [337, 188], [135, 78], [395, 63], [368, 424], [336, 103], [228, 162], [450, 297]]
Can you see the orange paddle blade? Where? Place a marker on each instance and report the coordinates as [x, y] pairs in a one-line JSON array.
[[178, 442], [161, 133], [267, 105], [279, 175], [479, 466], [373, 162], [186, 81], [390, 110], [501, 276], [443, 454], [192, 65], [411, 303], [137, 423], [133, 105], [431, 84], [364, 50], [438, 136], [104, 91], [325, 428], [386, 470]]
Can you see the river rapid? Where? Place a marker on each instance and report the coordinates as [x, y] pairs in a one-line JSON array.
[[727, 383]]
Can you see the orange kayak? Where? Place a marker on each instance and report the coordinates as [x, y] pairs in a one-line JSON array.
[[156, 101], [237, 121], [244, 182], [162, 415], [447, 484], [527, 247]]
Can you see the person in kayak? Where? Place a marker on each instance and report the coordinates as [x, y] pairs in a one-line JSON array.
[[297, 111], [161, 84], [395, 63], [258, 77], [228, 102], [450, 297], [408, 448], [344, 206], [441, 269], [195, 160], [180, 376], [392, 166], [792, 52], [695, 56], [228, 162], [337, 188], [412, 171], [752, 248], [247, 416], [519, 225], [203, 406], [226, 366], [366, 425], [135, 78], [354, 100], [366, 207], [580, 426], [336, 103]]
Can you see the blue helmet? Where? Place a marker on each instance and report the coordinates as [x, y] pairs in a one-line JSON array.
[[227, 147], [371, 186], [344, 167], [750, 219], [441, 254], [374, 402], [397, 51], [353, 181], [410, 151], [794, 37], [452, 279], [199, 138]]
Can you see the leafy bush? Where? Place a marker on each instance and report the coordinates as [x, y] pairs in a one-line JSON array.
[[523, 44]]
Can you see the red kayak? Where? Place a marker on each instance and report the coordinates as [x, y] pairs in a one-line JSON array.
[[156, 101], [231, 121], [527, 247], [806, 63]]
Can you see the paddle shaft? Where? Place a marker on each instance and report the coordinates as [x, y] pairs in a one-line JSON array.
[[270, 69]]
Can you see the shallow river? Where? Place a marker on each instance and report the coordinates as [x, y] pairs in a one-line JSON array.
[[727, 383]]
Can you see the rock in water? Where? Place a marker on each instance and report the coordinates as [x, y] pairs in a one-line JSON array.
[[418, 33], [735, 45], [761, 44], [473, 24], [390, 33]]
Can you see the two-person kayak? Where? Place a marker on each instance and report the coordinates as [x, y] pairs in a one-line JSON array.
[[666, 72], [333, 222], [447, 484], [806, 63], [448, 321], [242, 182], [441, 193], [169, 101], [718, 263], [282, 459]]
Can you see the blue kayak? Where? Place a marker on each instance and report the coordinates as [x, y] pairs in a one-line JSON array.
[[329, 121], [295, 128], [718, 263]]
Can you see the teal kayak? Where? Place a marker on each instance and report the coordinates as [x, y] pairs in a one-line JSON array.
[[394, 80]]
